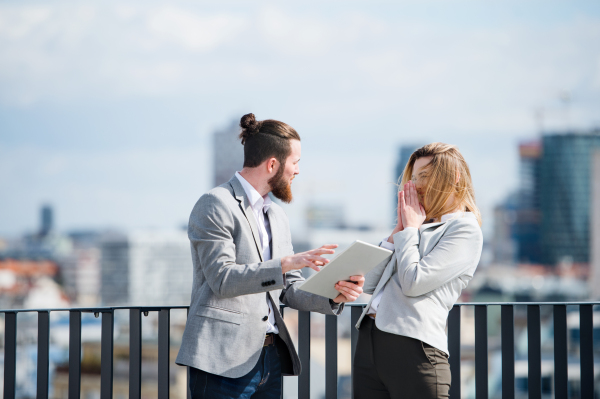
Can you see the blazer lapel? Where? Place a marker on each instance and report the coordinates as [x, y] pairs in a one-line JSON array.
[[240, 195], [274, 223], [429, 225]]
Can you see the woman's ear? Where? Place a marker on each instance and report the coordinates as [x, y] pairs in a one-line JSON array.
[[457, 176]]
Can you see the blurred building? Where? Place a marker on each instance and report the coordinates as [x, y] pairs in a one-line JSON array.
[[504, 246], [320, 216], [80, 270], [547, 221], [47, 219], [146, 268], [22, 280], [228, 153], [526, 226], [565, 197], [81, 276], [404, 153]]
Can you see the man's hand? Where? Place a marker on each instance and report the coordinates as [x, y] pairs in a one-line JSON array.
[[312, 259], [349, 290]]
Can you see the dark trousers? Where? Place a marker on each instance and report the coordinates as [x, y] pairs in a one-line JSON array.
[[390, 366], [262, 382]]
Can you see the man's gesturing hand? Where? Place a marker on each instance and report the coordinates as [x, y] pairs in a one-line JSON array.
[[312, 259], [349, 290]]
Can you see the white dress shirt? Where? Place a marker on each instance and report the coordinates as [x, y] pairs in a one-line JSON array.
[[260, 206], [388, 245]]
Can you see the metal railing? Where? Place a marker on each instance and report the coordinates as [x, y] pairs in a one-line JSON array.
[[507, 333]]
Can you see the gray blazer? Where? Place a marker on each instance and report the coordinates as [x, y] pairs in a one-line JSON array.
[[428, 270], [226, 325]]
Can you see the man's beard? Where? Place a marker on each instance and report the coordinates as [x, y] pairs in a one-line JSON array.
[[280, 187]]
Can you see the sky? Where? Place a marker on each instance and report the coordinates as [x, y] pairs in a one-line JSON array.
[[107, 107]]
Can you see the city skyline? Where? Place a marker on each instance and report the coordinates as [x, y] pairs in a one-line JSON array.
[[108, 115]]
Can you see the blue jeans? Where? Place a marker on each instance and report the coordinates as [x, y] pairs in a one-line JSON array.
[[262, 382]]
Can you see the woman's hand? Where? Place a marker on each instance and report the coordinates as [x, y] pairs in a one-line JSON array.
[[399, 225], [413, 213]]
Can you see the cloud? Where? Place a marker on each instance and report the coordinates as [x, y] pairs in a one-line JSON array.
[[129, 49], [193, 32], [351, 77]]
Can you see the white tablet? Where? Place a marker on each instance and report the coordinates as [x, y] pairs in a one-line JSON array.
[[358, 259]]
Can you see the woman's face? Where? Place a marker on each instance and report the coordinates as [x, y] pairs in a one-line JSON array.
[[420, 176]]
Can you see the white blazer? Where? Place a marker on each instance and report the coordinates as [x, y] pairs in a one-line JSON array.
[[430, 267]]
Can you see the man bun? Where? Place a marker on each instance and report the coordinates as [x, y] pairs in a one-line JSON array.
[[265, 139], [250, 126]]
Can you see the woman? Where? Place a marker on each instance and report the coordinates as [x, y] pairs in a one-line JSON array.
[[402, 345]]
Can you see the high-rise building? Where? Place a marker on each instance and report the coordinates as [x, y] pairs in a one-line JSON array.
[[565, 197], [525, 230], [404, 153], [47, 220], [146, 268], [228, 153]]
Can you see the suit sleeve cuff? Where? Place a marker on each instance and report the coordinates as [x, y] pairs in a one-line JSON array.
[[386, 244], [336, 308]]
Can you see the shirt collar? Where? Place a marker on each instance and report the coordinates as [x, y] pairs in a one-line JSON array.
[[256, 200], [454, 215]]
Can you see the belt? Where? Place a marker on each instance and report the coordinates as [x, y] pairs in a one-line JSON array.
[[269, 339], [372, 315]]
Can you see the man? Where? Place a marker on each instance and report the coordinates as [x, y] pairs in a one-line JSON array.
[[235, 341]]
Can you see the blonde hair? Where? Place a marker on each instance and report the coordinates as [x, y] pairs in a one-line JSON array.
[[445, 162]]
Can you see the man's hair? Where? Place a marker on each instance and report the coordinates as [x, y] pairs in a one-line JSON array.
[[265, 139]]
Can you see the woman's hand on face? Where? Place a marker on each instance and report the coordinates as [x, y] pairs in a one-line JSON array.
[[399, 225], [413, 213]]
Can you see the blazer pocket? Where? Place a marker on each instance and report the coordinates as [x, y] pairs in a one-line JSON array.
[[229, 316]]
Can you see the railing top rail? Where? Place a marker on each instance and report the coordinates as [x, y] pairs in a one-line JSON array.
[[526, 303], [505, 303], [596, 303], [101, 309]]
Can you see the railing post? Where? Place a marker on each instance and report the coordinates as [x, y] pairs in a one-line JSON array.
[[454, 349], [534, 355], [560, 352], [74, 354], [481, 352], [10, 354], [304, 354], [586, 351], [331, 374], [355, 312], [135, 353], [106, 355], [43, 355], [508, 351], [164, 337]]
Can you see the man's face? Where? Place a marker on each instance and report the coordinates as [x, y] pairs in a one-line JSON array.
[[281, 183]]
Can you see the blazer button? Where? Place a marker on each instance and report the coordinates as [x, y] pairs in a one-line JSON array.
[[272, 282], [265, 318], [263, 284]]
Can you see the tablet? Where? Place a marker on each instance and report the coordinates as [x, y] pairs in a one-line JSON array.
[[358, 259]]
